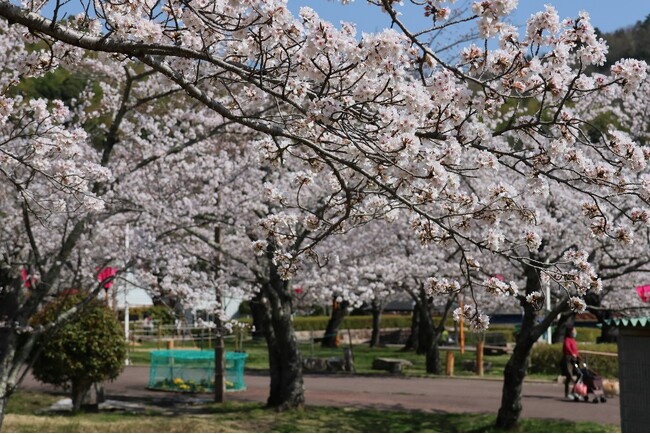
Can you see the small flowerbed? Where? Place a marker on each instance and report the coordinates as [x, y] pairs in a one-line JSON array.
[[189, 386]]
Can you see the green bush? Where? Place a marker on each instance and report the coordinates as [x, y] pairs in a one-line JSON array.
[[507, 331], [545, 358], [587, 334], [303, 323], [160, 314], [87, 349]]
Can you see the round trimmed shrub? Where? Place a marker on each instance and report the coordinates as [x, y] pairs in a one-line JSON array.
[[88, 348]]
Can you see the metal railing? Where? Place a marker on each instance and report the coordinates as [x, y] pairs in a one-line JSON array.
[[198, 336]]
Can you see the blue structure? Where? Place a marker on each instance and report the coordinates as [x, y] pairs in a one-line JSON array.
[[193, 371]]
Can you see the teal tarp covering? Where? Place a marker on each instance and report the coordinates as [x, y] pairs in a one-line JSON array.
[[193, 370]]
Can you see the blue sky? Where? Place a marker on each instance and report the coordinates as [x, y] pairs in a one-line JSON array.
[[607, 15]]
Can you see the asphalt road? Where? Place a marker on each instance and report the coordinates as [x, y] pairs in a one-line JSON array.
[[540, 400]]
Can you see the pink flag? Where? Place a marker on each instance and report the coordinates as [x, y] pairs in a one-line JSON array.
[[25, 276], [105, 274], [644, 293]]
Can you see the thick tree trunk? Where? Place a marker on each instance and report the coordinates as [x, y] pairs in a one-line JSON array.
[[433, 361], [5, 368], [257, 312], [285, 363], [3, 404], [608, 332], [339, 310], [513, 380], [516, 368], [78, 394], [9, 344], [376, 323], [413, 339], [426, 335], [564, 322]]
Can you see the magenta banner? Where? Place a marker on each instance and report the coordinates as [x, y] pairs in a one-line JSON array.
[[644, 292]]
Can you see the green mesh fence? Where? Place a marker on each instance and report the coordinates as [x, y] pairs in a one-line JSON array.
[[193, 371]]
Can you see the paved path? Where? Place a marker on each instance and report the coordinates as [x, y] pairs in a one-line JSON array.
[[542, 400]]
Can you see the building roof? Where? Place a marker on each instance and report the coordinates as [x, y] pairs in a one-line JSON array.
[[639, 322]]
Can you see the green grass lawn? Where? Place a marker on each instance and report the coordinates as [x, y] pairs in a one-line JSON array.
[[363, 357], [250, 417]]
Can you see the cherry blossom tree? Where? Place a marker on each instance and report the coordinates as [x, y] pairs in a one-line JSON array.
[[454, 148], [61, 173], [49, 175]]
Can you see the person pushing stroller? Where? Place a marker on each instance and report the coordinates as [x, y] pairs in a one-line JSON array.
[[570, 358]]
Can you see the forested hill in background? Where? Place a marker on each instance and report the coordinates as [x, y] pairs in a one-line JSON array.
[[632, 41]]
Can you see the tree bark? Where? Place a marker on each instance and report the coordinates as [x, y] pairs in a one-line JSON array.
[[564, 322], [515, 370], [433, 361], [78, 393], [426, 335], [6, 357], [12, 353], [517, 366], [608, 332], [376, 323], [339, 310], [285, 363], [413, 339], [257, 312]]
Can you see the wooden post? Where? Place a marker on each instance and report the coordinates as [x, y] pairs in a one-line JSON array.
[[450, 364], [159, 334], [170, 344], [479, 357], [209, 337]]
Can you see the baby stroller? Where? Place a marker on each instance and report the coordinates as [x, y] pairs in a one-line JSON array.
[[588, 382]]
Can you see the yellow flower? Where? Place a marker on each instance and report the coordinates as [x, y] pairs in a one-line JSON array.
[[178, 381]]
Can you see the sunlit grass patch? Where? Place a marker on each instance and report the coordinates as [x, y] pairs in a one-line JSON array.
[[253, 417]]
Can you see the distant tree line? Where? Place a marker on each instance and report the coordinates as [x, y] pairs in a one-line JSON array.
[[627, 42]]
